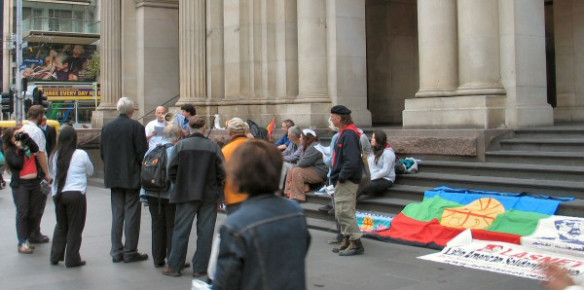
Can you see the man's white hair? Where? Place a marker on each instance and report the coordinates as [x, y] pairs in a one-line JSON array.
[[125, 105]]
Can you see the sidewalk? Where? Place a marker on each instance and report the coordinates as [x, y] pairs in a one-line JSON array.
[[383, 266]]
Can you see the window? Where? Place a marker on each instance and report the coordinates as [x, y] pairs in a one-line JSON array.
[[60, 20]]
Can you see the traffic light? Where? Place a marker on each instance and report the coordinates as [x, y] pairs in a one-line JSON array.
[[7, 103], [27, 105], [38, 98]]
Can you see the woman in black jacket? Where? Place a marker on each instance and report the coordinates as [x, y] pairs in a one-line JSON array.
[[19, 152]]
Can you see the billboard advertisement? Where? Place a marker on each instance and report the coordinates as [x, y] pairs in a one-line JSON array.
[[58, 62]]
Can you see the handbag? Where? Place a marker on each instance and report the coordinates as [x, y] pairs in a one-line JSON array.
[[2, 159]]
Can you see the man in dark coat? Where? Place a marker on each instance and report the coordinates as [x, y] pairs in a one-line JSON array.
[[346, 173], [50, 135], [123, 145], [196, 165]]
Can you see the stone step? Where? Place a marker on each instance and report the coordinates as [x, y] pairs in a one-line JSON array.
[[533, 157], [551, 132], [535, 144], [495, 169], [504, 184]]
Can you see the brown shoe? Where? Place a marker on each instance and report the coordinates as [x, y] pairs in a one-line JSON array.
[[354, 248], [344, 244], [24, 249], [170, 272]]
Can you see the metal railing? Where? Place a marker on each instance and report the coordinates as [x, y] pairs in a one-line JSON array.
[[60, 24]]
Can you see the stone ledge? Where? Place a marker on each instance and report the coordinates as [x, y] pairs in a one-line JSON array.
[[454, 146]]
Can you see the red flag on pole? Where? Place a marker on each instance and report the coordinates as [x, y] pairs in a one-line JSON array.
[[271, 128]]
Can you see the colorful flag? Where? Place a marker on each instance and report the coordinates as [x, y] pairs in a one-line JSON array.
[[271, 128], [444, 213]]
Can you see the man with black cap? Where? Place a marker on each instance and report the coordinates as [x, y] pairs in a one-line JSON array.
[[346, 173]]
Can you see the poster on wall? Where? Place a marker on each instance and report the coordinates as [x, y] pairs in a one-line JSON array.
[[59, 62]]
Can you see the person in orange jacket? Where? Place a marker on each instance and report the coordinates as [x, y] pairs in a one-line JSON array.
[[237, 129]]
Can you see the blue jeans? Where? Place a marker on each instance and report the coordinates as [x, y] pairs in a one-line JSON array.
[[206, 213]]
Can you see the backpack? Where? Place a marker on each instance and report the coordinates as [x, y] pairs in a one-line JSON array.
[[257, 131], [153, 176]]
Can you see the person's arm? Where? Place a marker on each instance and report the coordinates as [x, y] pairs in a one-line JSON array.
[[558, 278], [88, 164], [294, 157], [140, 144], [230, 260], [310, 157], [172, 168], [220, 167], [149, 131], [44, 163], [14, 160]]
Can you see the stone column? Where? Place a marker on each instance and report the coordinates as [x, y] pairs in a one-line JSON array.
[[437, 36], [192, 51], [312, 49], [478, 46], [110, 14], [111, 54], [523, 65]]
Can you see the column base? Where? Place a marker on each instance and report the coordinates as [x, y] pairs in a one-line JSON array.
[[484, 112], [569, 114], [532, 116], [102, 117]]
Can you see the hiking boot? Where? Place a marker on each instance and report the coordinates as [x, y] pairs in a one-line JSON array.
[[354, 248], [325, 208], [343, 245]]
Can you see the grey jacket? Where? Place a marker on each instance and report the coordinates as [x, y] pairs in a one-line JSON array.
[[312, 158]]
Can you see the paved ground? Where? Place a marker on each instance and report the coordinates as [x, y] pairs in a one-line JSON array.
[[383, 266]]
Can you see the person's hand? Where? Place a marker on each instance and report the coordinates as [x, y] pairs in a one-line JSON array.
[[153, 133], [557, 277], [49, 179]]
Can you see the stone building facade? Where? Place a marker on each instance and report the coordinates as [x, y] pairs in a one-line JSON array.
[[418, 63]]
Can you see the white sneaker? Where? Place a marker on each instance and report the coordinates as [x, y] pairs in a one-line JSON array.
[[322, 191], [330, 190]]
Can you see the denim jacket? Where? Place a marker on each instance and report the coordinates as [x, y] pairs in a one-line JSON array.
[[263, 246]]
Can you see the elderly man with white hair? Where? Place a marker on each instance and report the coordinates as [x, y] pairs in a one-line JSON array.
[[123, 144]]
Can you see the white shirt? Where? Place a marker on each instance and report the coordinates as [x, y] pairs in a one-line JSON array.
[[80, 168], [156, 139], [36, 134]]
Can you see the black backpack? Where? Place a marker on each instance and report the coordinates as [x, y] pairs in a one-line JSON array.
[[154, 177], [257, 131]]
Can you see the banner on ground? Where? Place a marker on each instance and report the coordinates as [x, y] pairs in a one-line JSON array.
[[504, 258], [558, 234]]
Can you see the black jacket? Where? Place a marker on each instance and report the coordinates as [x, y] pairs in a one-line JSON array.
[[123, 145], [347, 163], [15, 159], [196, 167]]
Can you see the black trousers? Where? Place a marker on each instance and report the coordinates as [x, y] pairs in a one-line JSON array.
[[162, 213], [29, 201], [71, 211], [375, 187], [126, 212]]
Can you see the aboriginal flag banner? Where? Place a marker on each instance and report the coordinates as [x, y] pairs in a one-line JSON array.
[[445, 212]]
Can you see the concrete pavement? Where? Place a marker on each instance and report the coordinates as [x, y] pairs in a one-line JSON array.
[[383, 266]]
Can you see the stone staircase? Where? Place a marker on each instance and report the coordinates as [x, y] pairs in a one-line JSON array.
[[547, 161]]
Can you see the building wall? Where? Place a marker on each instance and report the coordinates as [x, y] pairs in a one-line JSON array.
[[392, 57]]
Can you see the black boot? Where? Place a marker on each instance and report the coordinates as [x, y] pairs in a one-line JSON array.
[[355, 248], [344, 244]]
